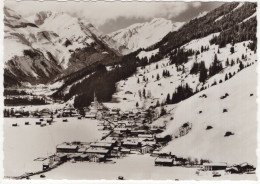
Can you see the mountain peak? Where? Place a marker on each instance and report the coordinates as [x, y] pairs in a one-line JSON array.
[[143, 35]]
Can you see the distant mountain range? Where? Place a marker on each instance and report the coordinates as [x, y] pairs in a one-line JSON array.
[[53, 44], [49, 45]]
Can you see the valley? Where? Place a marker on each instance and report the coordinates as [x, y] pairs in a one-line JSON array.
[[177, 99]]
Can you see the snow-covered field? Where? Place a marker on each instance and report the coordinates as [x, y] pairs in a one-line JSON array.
[[132, 167], [25, 143], [240, 120]]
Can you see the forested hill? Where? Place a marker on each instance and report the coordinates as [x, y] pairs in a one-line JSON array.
[[229, 19], [231, 23]]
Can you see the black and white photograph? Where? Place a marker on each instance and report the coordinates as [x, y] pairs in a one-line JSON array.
[[135, 90]]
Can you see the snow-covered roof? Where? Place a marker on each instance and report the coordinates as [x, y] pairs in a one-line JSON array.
[[101, 144], [164, 160], [215, 164], [67, 146], [97, 150]]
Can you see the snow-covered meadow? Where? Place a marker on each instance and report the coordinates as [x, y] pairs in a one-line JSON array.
[[24, 143]]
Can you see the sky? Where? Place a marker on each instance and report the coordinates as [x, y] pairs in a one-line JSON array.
[[112, 16]]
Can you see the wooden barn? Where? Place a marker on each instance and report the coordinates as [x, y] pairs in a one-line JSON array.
[[164, 161]]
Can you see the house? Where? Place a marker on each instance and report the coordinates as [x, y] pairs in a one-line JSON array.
[[146, 148], [18, 115], [90, 115], [67, 148], [156, 130], [131, 144], [121, 130], [83, 149], [105, 145], [164, 161], [61, 157], [82, 157], [137, 132], [110, 140], [145, 136], [155, 153], [125, 151], [97, 158], [114, 111], [74, 156], [45, 112], [245, 167], [214, 166], [232, 170], [180, 161], [97, 151], [115, 152]]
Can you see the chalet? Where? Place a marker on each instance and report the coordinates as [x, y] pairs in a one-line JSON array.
[[115, 152], [83, 149], [151, 143], [36, 114], [90, 115], [146, 148], [45, 166], [67, 148], [125, 151], [98, 151], [164, 161], [131, 144], [180, 161], [114, 111], [155, 153], [18, 115], [61, 157], [110, 140], [156, 130], [105, 145], [137, 132], [245, 167], [74, 156], [232, 170], [121, 130], [97, 158], [214, 166], [145, 136], [45, 112], [82, 157]]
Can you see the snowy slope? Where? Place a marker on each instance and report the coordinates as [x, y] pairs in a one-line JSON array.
[[240, 119], [51, 38], [167, 85], [143, 35]]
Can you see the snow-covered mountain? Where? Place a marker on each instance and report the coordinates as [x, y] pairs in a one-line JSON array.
[[142, 35], [42, 49]]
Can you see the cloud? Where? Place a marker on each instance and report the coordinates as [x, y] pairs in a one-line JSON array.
[[99, 13]]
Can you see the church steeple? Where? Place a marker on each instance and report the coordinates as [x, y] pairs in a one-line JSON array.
[[95, 100]]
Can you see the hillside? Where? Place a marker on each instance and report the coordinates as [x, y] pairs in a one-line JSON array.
[[162, 76], [239, 119], [142, 35]]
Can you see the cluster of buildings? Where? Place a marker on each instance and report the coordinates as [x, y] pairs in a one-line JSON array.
[[234, 169]]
